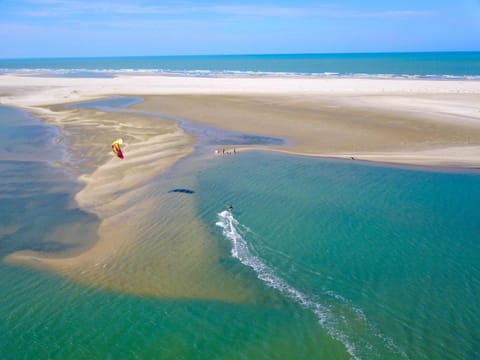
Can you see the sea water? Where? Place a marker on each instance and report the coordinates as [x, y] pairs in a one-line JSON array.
[[437, 65], [387, 259], [35, 194], [45, 316], [354, 260]]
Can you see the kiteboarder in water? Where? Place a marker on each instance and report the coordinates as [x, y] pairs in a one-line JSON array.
[[116, 148]]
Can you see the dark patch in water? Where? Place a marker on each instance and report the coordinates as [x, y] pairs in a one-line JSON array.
[[185, 191], [210, 135]]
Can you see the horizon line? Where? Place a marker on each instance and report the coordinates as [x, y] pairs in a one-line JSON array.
[[245, 54]]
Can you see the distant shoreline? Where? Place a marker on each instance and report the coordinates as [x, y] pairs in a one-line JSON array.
[[446, 65]]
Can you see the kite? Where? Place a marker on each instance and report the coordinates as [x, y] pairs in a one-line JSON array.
[[116, 148]]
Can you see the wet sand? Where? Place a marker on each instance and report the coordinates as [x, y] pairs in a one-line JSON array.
[[338, 127], [128, 204], [410, 121], [413, 121]]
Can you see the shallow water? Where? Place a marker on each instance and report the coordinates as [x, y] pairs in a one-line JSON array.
[[327, 259], [23, 137], [386, 258], [36, 196], [205, 135], [45, 316]]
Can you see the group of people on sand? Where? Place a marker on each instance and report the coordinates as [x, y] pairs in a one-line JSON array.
[[225, 152]]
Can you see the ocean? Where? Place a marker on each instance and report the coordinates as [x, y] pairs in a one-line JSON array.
[[436, 65], [341, 259]]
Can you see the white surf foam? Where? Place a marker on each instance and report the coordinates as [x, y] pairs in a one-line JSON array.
[[231, 230], [235, 232]]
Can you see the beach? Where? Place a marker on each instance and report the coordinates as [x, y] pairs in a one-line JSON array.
[[146, 237], [240, 180], [412, 121]]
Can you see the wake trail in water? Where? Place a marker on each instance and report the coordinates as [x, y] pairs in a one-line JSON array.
[[235, 232]]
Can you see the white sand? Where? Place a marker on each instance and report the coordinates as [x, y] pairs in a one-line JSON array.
[[455, 102], [32, 91]]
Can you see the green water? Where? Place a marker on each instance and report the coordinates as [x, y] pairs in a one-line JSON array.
[[45, 316], [353, 260], [387, 258]]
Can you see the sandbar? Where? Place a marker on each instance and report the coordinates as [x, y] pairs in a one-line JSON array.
[[413, 121], [407, 121]]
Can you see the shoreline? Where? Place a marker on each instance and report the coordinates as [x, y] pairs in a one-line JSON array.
[[330, 119], [403, 161], [117, 190], [411, 106], [326, 127]]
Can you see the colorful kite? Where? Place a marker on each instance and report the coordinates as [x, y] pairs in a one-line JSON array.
[[116, 148]]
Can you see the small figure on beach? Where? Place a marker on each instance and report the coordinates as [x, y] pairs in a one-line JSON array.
[[224, 151]]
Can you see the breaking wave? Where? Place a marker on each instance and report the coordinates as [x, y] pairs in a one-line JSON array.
[[87, 72], [333, 322]]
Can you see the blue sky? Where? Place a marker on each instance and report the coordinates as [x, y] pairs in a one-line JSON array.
[[66, 28]]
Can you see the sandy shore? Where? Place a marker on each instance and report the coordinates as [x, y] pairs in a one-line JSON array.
[[427, 122], [346, 126]]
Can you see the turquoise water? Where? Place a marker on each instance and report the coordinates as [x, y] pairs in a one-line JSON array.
[[353, 261], [387, 259], [463, 65], [45, 316]]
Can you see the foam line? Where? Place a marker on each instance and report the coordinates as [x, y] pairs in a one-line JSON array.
[[234, 231], [80, 72], [241, 252]]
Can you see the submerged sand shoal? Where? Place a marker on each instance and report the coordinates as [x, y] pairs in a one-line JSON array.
[[428, 122]]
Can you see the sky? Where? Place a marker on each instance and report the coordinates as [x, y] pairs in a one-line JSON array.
[[76, 28]]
